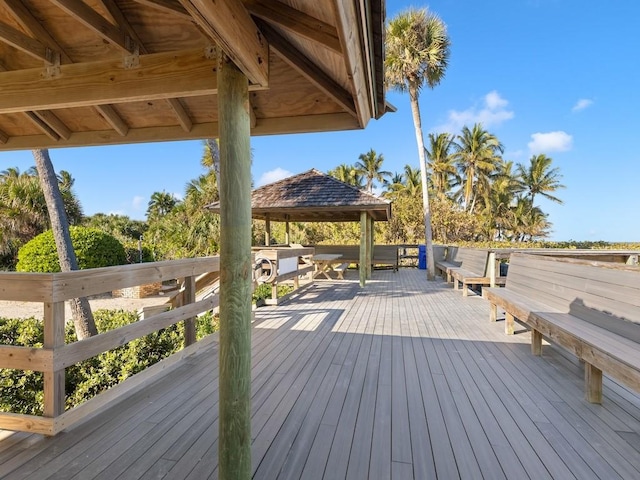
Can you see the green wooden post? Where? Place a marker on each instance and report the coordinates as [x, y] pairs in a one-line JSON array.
[[363, 248], [369, 246], [267, 230], [234, 449], [189, 323], [54, 392]]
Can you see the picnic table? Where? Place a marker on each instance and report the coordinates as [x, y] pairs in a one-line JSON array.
[[324, 262]]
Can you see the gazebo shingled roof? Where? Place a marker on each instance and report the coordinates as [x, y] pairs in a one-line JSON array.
[[313, 196]]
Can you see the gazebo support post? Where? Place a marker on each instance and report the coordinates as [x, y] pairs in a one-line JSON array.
[[267, 230], [369, 246], [287, 232], [234, 448], [364, 247]]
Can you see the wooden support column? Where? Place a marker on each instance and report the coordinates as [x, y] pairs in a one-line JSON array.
[[371, 246], [54, 394], [234, 448], [189, 323], [363, 248], [287, 232], [267, 230]]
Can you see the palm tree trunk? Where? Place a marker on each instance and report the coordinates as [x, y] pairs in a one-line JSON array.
[[82, 316], [415, 110]]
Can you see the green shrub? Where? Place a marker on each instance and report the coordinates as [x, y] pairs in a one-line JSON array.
[[264, 291], [22, 391], [93, 249]]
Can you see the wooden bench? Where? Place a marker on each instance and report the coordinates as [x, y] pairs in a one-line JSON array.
[[340, 269], [473, 269], [592, 309], [447, 261]]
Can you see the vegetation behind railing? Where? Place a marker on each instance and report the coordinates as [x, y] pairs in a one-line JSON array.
[[56, 354]]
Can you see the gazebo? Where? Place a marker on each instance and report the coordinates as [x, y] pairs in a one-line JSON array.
[[314, 196], [98, 72]]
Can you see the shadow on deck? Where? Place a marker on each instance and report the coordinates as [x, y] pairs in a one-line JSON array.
[[403, 379]]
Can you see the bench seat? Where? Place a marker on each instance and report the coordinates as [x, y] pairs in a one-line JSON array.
[[340, 269], [590, 309]]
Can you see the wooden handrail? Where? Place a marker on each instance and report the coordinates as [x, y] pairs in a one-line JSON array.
[[52, 359]]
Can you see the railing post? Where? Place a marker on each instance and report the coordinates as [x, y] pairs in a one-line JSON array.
[[54, 394], [190, 323]]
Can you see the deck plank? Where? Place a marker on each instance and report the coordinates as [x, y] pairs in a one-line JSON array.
[[401, 379]]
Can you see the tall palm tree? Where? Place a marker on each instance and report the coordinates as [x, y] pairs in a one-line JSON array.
[[81, 310], [369, 166], [539, 178], [498, 201], [393, 184], [441, 162], [477, 155], [417, 53]]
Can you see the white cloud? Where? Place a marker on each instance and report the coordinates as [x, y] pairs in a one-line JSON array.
[[178, 196], [273, 176], [138, 202], [491, 111], [582, 104], [550, 142]]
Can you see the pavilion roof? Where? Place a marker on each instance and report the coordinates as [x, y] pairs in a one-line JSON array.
[[96, 72]]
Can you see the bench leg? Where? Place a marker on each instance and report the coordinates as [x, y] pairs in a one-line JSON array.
[[508, 323], [456, 284], [536, 342], [593, 383], [465, 289], [493, 313], [448, 277]]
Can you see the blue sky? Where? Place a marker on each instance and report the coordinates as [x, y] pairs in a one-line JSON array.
[[558, 77]]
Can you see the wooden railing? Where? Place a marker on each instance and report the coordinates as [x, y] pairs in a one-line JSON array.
[[53, 290]]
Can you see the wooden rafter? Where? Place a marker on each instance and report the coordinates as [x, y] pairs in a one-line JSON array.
[[158, 76], [173, 7], [296, 21], [308, 69], [174, 104], [229, 24], [113, 119], [42, 126], [94, 21], [51, 120], [24, 43], [26, 19]]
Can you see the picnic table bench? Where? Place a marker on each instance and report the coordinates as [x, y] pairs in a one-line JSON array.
[[469, 267], [590, 308]]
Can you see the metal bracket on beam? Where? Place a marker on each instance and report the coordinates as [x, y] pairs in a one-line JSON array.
[[52, 65], [133, 60]]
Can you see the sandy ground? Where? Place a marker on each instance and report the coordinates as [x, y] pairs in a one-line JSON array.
[[10, 309]]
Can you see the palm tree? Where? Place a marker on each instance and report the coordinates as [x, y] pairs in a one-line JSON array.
[[161, 203], [441, 162], [540, 179], [498, 200], [81, 310], [477, 155], [347, 174], [369, 166], [417, 53]]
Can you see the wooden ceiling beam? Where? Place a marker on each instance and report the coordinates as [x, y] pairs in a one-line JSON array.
[[296, 22], [95, 22], [229, 24], [24, 43], [181, 114], [42, 126], [266, 126], [299, 62], [26, 19], [159, 76], [174, 7], [112, 118]]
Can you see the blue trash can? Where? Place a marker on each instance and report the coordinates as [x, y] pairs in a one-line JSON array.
[[422, 257]]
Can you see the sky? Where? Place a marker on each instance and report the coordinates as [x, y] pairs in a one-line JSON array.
[[558, 77]]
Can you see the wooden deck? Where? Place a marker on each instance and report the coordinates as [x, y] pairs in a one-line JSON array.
[[402, 379]]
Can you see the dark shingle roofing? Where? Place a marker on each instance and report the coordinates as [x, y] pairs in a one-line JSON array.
[[313, 196]]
